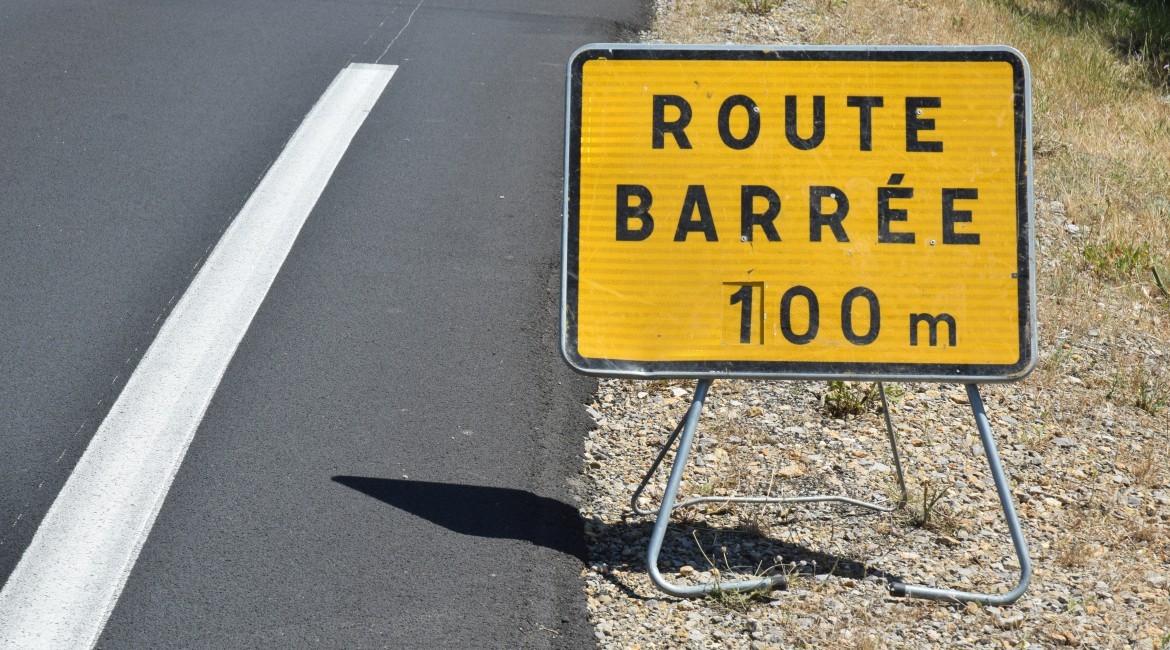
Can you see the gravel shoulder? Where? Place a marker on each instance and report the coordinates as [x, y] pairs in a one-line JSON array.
[[1088, 472]]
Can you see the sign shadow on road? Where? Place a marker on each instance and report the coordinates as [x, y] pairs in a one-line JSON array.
[[482, 511]]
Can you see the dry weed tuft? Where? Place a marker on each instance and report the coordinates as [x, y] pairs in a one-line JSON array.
[[1074, 553], [696, 22]]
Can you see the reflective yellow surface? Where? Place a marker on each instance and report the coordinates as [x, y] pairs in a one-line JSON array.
[[646, 297]]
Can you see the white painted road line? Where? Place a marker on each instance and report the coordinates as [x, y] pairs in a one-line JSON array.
[[68, 581]]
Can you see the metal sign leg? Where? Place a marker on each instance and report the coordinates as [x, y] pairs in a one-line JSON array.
[[1009, 511], [689, 425]]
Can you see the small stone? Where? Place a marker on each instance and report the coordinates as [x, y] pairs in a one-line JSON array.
[[790, 471], [947, 540], [687, 570], [1064, 442], [1013, 622]]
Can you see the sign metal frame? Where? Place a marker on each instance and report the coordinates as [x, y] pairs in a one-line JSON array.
[[801, 370]]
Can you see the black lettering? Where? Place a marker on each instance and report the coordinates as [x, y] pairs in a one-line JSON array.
[[817, 219], [886, 214], [675, 128], [865, 106], [641, 212], [743, 298], [875, 316], [748, 217], [951, 216], [696, 198], [932, 324], [753, 115], [915, 123], [814, 315], [818, 133]]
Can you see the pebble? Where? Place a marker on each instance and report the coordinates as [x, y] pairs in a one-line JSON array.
[[1013, 622]]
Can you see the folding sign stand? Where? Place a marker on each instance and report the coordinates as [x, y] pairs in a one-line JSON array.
[[686, 253], [687, 430]]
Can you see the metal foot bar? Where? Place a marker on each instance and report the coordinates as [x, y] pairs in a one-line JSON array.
[[1009, 511], [685, 432], [818, 498]]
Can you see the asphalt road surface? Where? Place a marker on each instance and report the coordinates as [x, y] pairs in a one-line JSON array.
[[387, 459]]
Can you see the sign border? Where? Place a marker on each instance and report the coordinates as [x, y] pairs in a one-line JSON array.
[[800, 370]]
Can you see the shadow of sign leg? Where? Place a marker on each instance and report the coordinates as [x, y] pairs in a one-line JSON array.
[[654, 468], [1009, 511]]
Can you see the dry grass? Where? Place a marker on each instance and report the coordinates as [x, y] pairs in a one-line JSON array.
[[700, 21]]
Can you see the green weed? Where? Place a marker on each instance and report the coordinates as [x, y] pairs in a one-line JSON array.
[[1117, 261], [758, 7], [894, 392], [925, 511], [1153, 395], [846, 398]]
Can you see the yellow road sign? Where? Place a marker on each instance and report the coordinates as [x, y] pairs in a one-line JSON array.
[[798, 213]]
